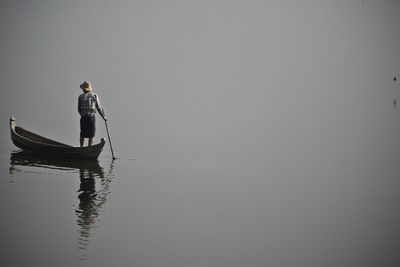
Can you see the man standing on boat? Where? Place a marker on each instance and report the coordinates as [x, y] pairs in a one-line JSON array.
[[88, 102]]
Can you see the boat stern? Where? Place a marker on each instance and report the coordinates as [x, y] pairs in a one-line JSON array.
[[12, 122]]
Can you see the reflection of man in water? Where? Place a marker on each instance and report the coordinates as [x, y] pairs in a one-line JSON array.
[[87, 188], [90, 201], [87, 211]]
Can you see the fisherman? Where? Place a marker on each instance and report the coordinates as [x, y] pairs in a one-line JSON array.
[[88, 102]]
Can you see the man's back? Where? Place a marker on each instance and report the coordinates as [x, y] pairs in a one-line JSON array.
[[88, 102]]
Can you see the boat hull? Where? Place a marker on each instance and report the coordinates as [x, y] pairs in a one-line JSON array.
[[37, 144]]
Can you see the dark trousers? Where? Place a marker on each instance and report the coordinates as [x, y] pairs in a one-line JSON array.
[[88, 126]]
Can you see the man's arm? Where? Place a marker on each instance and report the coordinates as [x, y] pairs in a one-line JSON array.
[[79, 105], [99, 108]]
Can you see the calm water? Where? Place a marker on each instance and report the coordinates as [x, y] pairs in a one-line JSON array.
[[248, 133], [337, 206]]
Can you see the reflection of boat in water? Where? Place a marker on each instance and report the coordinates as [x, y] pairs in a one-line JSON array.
[[24, 158], [93, 193], [35, 143]]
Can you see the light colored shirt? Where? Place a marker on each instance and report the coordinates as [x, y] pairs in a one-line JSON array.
[[88, 102]]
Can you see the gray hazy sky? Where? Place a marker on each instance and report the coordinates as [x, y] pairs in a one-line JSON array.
[[199, 73]]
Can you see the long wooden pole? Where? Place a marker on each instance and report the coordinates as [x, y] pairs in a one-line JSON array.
[[108, 133]]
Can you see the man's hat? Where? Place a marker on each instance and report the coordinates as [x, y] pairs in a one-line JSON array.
[[86, 86]]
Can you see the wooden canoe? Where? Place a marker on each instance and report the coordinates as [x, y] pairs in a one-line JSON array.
[[37, 144]]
